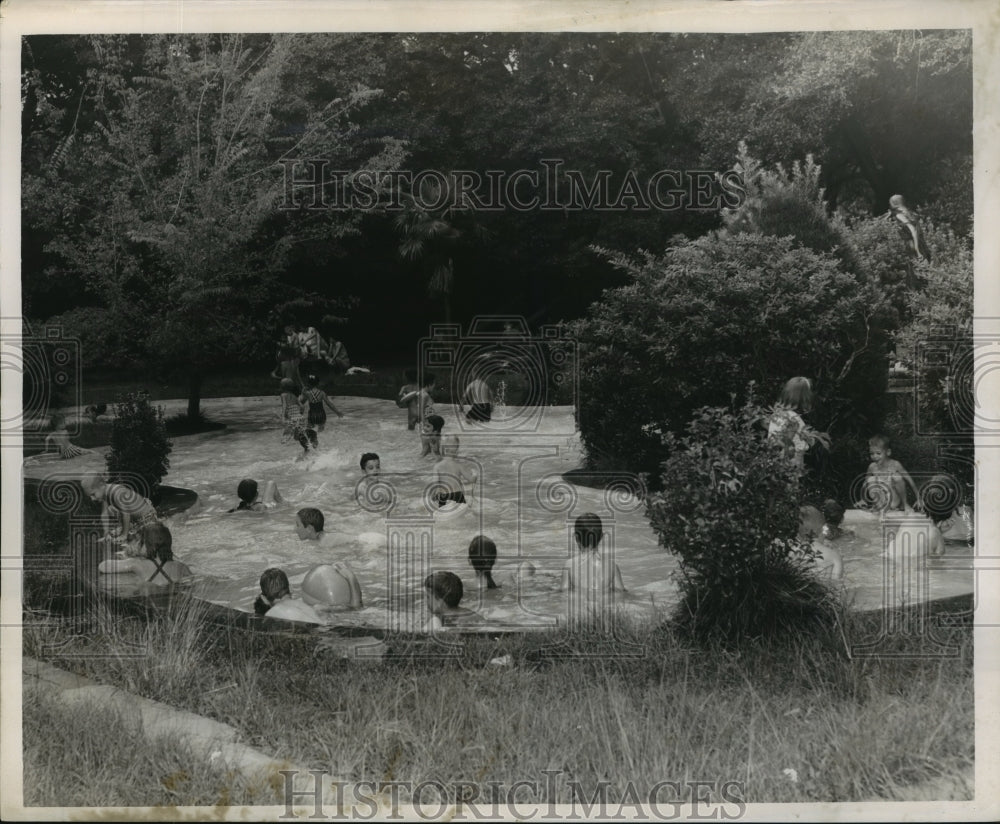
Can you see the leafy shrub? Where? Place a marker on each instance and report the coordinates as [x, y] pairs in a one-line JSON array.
[[139, 444], [729, 509], [699, 321]]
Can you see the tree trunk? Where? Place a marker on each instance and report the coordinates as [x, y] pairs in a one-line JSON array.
[[194, 395]]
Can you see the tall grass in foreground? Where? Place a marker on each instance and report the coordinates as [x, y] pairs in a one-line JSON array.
[[99, 758], [799, 721]]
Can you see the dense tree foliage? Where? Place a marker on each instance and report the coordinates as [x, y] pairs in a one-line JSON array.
[[183, 136]]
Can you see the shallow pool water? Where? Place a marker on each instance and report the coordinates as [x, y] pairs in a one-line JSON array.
[[396, 535]]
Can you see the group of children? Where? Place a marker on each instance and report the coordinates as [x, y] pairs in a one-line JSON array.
[[886, 486]]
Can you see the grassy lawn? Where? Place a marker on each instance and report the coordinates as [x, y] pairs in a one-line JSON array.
[[799, 721]]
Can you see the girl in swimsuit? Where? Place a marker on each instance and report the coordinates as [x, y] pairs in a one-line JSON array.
[[317, 400], [158, 567]]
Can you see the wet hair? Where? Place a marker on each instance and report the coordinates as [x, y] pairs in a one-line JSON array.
[[158, 541], [312, 380], [482, 556], [833, 512], [588, 530], [411, 374], [369, 456], [881, 441], [797, 393], [310, 516], [436, 422], [429, 378], [445, 585], [273, 585], [940, 497], [246, 491]]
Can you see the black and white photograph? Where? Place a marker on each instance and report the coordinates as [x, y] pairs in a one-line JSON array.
[[461, 411]]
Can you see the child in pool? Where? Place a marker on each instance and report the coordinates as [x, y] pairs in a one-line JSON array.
[[811, 525], [309, 523], [123, 512], [276, 601], [158, 567], [317, 400], [786, 425], [425, 412], [332, 586], [371, 465], [885, 486], [451, 474], [833, 517], [252, 501], [482, 557], [939, 496], [431, 438], [408, 399], [589, 569], [288, 367], [294, 422], [444, 594], [479, 395]]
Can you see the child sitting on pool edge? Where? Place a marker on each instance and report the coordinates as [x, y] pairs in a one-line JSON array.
[[887, 481], [251, 501], [444, 594], [158, 566], [451, 474], [123, 512]]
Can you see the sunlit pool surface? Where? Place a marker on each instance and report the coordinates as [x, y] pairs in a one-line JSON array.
[[399, 535]]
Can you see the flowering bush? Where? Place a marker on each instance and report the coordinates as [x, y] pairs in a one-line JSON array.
[[729, 509]]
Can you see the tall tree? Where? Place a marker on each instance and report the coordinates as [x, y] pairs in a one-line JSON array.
[[184, 239]]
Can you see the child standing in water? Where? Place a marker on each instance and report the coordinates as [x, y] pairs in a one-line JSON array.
[[317, 400], [590, 569], [408, 399], [786, 425], [425, 411], [293, 419], [885, 486], [123, 512], [451, 474]]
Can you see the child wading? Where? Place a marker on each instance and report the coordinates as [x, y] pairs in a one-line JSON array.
[[295, 426], [317, 400]]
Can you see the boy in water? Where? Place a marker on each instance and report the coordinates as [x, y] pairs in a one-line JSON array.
[[885, 486], [425, 411], [451, 473], [309, 524], [408, 399], [444, 594], [432, 439]]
